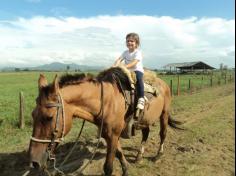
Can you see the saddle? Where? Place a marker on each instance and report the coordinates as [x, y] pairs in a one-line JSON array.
[[134, 116], [148, 88]]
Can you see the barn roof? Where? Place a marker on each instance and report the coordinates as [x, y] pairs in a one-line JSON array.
[[196, 65]]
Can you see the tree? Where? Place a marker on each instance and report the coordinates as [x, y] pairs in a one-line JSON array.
[[67, 68], [221, 66]]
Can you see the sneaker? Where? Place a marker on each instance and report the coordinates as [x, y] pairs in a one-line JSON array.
[[141, 103]]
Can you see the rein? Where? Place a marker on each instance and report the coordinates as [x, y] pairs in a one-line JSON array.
[[60, 106], [79, 171]]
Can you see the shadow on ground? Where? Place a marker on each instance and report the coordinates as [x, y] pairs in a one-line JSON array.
[[16, 164]]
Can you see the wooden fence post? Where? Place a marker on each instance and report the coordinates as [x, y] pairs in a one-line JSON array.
[[178, 86], [171, 87], [21, 114], [219, 81], [225, 78], [202, 82], [189, 86], [211, 81]]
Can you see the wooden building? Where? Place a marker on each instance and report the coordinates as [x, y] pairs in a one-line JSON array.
[[188, 67]]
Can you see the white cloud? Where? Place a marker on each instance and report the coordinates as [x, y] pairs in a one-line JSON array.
[[99, 40]]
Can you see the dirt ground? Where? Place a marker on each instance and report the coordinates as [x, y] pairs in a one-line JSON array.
[[206, 147]]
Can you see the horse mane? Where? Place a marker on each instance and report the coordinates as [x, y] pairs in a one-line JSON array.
[[114, 75], [69, 79], [72, 79]]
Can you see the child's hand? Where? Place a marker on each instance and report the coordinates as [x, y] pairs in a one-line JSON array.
[[118, 63]]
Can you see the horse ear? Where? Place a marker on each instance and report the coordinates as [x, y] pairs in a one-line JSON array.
[[56, 84], [42, 82]]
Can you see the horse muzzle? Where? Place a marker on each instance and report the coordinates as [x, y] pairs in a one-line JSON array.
[[41, 163], [35, 165]]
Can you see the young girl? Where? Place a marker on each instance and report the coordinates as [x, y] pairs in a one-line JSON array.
[[133, 61]]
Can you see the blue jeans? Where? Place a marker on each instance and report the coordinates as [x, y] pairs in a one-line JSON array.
[[139, 84]]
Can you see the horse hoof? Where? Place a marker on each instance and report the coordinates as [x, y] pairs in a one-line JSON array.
[[138, 159], [125, 174], [157, 157]]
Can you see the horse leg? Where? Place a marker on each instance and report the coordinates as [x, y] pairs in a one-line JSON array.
[[100, 138], [123, 161], [163, 131], [145, 133], [112, 142]]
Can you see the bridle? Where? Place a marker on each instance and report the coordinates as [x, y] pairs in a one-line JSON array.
[[60, 109], [54, 140]]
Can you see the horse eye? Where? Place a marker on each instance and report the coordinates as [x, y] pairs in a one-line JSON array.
[[49, 118], [45, 120]]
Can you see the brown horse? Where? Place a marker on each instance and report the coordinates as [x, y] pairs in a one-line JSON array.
[[98, 100]]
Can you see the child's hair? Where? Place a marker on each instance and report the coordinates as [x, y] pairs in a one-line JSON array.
[[133, 36]]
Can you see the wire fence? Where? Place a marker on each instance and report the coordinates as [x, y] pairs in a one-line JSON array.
[[188, 84]]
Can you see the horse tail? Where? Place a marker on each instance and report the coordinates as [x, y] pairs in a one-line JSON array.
[[175, 123]]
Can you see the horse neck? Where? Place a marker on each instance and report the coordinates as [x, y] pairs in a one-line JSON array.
[[83, 100]]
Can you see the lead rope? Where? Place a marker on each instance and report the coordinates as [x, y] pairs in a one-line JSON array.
[[77, 139], [26, 173], [79, 171], [67, 156], [63, 133]]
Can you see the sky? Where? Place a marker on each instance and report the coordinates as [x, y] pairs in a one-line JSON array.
[[36, 32]]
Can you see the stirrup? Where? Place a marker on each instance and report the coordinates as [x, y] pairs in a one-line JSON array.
[[141, 103]]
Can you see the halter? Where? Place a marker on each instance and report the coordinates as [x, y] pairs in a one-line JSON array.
[[60, 107]]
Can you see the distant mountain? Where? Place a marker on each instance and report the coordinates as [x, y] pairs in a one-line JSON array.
[[56, 66]]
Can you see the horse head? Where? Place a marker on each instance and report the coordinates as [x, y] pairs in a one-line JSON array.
[[48, 123]]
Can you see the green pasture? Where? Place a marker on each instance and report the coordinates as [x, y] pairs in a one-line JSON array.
[[11, 84], [191, 83], [206, 148]]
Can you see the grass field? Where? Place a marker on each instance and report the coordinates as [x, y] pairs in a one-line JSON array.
[[206, 148], [194, 82]]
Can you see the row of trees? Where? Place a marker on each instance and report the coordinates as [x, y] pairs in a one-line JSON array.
[[67, 69]]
